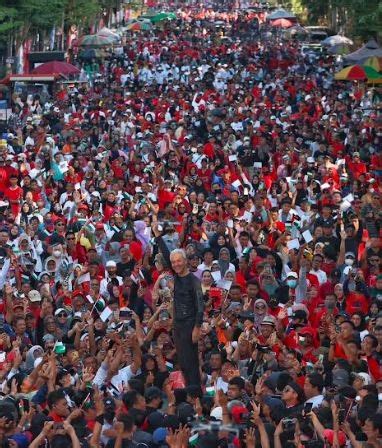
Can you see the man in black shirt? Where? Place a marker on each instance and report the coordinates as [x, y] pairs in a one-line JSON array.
[[188, 316], [330, 240], [127, 262]]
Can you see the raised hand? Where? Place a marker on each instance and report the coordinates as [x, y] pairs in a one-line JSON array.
[[250, 440], [256, 411]]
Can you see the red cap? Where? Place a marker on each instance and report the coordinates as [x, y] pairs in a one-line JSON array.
[[78, 292], [238, 412]]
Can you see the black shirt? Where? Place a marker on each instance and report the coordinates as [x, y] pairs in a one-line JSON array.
[[126, 443], [330, 241], [124, 268]]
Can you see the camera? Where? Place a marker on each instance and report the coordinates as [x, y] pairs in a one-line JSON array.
[[263, 348], [289, 424], [312, 443]]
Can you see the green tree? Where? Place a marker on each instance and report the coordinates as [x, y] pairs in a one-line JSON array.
[[22, 19], [358, 18], [81, 12], [9, 21], [366, 19]]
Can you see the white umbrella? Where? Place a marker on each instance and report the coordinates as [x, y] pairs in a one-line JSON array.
[[281, 14], [336, 40], [106, 32]]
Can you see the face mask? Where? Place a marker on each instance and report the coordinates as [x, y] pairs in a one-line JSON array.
[[349, 261], [56, 253], [292, 283]]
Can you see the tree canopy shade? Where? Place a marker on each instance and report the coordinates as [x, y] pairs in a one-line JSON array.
[[24, 18], [359, 18]]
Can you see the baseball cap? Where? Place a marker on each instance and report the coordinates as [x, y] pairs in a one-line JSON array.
[[307, 330], [34, 296], [152, 393], [159, 436], [185, 413], [349, 254], [268, 320], [155, 420], [48, 338], [292, 274], [299, 314], [246, 315], [365, 377], [299, 391], [217, 413], [111, 264]]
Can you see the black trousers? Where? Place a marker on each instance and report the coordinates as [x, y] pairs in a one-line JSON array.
[[187, 352]]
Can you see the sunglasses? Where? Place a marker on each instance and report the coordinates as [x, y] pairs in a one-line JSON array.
[[259, 307], [60, 224], [62, 315], [70, 238]]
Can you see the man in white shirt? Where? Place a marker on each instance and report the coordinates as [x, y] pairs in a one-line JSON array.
[[122, 357], [319, 273], [313, 387], [111, 272]]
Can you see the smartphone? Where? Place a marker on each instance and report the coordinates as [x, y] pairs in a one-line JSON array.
[[308, 408], [125, 314]]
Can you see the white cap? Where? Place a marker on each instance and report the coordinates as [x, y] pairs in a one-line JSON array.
[[34, 296], [365, 378], [111, 264], [292, 274], [59, 310], [217, 413]]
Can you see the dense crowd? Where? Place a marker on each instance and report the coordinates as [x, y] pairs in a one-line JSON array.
[[215, 135]]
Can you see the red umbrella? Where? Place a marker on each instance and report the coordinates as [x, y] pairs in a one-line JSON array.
[[61, 68], [282, 23]]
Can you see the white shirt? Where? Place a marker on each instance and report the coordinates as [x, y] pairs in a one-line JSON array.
[[123, 376], [321, 275], [203, 267], [316, 400], [103, 285], [220, 383]]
